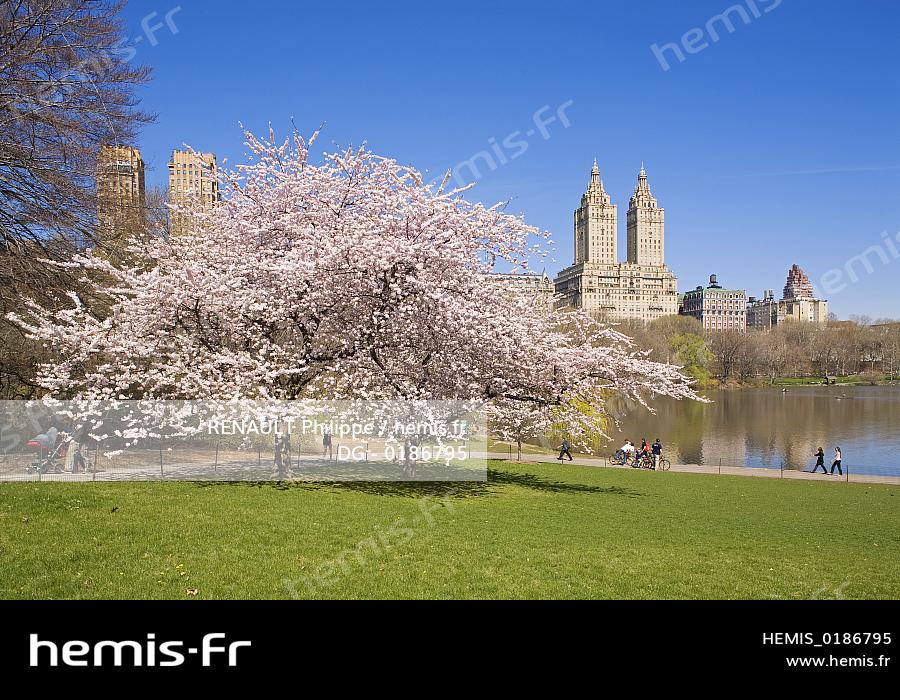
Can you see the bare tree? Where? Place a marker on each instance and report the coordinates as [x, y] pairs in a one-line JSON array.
[[726, 347], [892, 349], [127, 223], [791, 349], [800, 340], [774, 352], [157, 217], [826, 348], [65, 89], [749, 359]]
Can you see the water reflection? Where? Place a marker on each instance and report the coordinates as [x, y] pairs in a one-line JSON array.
[[765, 427]]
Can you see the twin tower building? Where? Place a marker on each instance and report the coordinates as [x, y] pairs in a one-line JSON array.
[[643, 288]]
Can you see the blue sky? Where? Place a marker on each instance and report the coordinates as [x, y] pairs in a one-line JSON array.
[[772, 144]]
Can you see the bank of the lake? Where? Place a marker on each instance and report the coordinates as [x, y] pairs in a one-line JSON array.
[[774, 427], [780, 382], [767, 427]]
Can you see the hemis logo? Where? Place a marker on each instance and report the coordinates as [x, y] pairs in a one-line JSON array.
[[135, 654]]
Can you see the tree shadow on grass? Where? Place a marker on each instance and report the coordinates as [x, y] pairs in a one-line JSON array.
[[538, 483], [396, 489], [441, 489]]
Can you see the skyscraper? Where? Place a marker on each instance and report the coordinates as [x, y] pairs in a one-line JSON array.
[[120, 193], [646, 224], [797, 285], [642, 288], [596, 224], [193, 185], [798, 303]]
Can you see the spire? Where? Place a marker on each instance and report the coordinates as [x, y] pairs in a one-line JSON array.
[[642, 195], [595, 175], [642, 186]]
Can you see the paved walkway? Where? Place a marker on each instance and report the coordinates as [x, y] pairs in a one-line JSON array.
[[699, 469], [314, 468]]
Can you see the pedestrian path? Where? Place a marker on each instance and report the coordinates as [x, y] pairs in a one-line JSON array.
[[700, 469]]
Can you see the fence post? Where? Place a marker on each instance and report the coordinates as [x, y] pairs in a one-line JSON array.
[[720, 466], [161, 471], [216, 464], [782, 469]]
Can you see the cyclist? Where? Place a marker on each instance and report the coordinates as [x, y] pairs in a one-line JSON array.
[[624, 451], [644, 455]]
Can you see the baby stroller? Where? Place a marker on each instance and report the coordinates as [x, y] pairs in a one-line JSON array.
[[51, 447]]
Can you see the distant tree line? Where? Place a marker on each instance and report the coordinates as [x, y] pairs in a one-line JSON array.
[[859, 346]]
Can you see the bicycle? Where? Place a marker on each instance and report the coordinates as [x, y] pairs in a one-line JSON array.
[[646, 461], [643, 461]]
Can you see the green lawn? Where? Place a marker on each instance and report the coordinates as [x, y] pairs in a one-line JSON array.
[[530, 531]]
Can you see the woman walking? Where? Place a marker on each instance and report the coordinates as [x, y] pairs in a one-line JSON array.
[[837, 461], [820, 461]]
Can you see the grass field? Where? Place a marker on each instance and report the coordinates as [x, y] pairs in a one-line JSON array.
[[531, 531]]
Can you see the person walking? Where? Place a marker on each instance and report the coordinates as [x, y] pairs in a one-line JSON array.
[[564, 450], [836, 462], [820, 461]]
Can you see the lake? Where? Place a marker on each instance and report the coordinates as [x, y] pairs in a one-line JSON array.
[[768, 427]]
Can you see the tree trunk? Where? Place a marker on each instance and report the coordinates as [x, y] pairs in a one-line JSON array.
[[282, 456]]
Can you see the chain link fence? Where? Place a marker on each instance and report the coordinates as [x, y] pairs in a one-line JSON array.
[[250, 441]]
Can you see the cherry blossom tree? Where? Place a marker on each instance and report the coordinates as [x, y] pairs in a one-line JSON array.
[[348, 278]]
